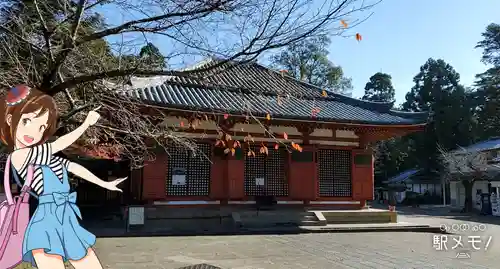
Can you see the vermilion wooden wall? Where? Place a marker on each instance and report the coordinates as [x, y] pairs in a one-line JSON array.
[[236, 178], [218, 188], [227, 178], [154, 175], [302, 179], [362, 177]]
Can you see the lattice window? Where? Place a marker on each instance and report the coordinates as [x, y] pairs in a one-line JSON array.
[[271, 169], [199, 171], [194, 165], [334, 172]]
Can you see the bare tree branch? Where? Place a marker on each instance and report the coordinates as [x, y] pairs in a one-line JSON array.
[[70, 17], [56, 62], [116, 30], [465, 164], [75, 111], [21, 39], [63, 47], [76, 24], [45, 30], [467, 167]]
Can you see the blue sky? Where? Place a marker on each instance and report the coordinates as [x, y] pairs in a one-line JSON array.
[[402, 34]]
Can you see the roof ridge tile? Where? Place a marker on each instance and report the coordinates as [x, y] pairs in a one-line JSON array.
[[261, 86]]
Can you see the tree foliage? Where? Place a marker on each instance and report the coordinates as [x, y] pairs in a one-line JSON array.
[[490, 45], [459, 116], [474, 116], [488, 83], [436, 89], [388, 157], [152, 57], [308, 61], [379, 88]]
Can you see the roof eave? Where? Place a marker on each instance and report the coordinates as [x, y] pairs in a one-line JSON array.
[[320, 120]]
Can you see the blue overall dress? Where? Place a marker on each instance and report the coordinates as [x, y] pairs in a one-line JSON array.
[[54, 226]]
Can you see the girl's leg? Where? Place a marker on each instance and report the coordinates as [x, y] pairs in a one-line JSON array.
[[90, 261], [47, 261]]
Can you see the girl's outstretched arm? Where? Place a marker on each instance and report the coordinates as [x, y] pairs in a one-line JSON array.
[[85, 174], [68, 139]]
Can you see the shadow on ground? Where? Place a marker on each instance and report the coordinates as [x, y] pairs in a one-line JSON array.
[[109, 229], [249, 232]]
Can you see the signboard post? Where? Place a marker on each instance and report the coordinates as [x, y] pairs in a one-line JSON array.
[[135, 217], [178, 177]]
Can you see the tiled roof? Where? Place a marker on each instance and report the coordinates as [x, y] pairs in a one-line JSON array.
[[253, 88], [482, 146], [403, 176]]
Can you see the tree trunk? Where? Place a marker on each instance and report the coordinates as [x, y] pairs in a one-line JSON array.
[[468, 204], [444, 192], [302, 70]]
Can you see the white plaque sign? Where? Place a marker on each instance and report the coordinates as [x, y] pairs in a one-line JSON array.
[[259, 181], [178, 180], [136, 216], [179, 176]]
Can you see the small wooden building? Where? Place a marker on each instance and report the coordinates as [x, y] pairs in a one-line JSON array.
[[248, 101]]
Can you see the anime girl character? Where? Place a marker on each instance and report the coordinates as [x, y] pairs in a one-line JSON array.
[[54, 234]]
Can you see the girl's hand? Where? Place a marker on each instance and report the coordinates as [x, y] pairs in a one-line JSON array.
[[112, 185], [92, 117]]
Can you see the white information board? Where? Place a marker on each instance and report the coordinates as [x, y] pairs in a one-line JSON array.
[[136, 215], [494, 205], [178, 180], [179, 176], [259, 181], [495, 202]]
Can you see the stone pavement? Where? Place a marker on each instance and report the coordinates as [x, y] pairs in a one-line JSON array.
[[437, 217], [323, 251], [399, 250]]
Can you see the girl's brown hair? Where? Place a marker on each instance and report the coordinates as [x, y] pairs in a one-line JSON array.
[[36, 100]]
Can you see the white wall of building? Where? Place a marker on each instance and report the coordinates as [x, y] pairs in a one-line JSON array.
[[433, 188], [457, 193]]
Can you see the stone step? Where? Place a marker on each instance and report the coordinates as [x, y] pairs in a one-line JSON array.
[[256, 224], [359, 217], [358, 220], [312, 223], [187, 224], [310, 217], [164, 212], [275, 213], [278, 219]]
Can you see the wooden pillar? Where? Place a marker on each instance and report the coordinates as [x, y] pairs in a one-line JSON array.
[[136, 185], [362, 176], [363, 139], [234, 166], [235, 171], [302, 169], [218, 181], [302, 174], [306, 133], [155, 178]]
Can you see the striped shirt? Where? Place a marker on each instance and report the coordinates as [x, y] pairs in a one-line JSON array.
[[42, 155]]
